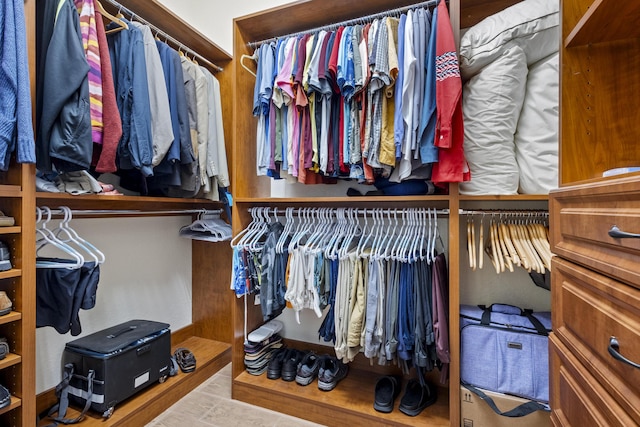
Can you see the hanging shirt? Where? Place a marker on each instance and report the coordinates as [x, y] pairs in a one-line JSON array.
[[126, 48], [16, 125], [398, 121], [452, 165], [104, 154], [161, 131], [426, 133], [89, 33]]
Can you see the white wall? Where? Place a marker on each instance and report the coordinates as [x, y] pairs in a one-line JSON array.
[[214, 18], [147, 274]]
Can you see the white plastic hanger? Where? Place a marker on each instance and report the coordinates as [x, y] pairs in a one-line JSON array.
[[72, 236], [46, 237]]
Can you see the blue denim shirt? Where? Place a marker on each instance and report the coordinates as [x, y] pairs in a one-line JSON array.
[[135, 150], [15, 92]]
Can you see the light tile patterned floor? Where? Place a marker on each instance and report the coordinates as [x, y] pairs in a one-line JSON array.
[[211, 405]]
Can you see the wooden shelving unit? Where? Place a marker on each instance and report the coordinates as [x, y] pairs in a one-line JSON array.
[[209, 334], [351, 402]]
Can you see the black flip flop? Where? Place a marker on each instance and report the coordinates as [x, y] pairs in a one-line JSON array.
[[186, 360]]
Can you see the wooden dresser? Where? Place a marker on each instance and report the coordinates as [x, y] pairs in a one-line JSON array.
[[595, 344]]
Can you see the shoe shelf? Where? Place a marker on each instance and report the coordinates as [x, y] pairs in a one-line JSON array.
[[140, 409], [15, 403], [11, 317], [10, 360], [15, 229], [355, 395], [10, 190], [9, 274]]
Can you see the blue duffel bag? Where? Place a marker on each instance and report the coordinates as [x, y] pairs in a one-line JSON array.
[[505, 349]]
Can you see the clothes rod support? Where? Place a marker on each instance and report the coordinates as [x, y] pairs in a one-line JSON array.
[[360, 20], [166, 36]]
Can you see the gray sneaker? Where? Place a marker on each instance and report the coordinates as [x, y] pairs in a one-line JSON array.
[[331, 372], [5, 257]]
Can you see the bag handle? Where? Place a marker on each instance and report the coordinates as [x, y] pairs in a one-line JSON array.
[[512, 309], [62, 392], [521, 410]]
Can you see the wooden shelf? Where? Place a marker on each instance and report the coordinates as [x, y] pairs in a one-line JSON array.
[[109, 202], [16, 229], [354, 394], [10, 360], [143, 407], [10, 274], [10, 191], [11, 317], [606, 21], [15, 403], [374, 201], [498, 197]]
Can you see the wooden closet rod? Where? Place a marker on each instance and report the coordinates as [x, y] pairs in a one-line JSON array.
[[360, 20], [166, 36]]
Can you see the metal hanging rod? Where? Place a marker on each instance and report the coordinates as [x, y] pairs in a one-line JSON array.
[[360, 20], [358, 211], [538, 212], [132, 212], [166, 36]]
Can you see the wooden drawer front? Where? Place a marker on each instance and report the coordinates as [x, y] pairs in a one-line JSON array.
[[577, 398], [588, 310], [581, 218]]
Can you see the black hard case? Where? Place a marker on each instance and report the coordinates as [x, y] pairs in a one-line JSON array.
[[126, 359]]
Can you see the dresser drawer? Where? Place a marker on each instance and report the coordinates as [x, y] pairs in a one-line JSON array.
[[582, 217], [576, 397], [588, 310]]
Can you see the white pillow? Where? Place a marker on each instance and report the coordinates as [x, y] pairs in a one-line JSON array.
[[531, 24], [491, 104], [537, 132]]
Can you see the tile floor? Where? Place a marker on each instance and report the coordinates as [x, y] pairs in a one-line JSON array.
[[211, 405]]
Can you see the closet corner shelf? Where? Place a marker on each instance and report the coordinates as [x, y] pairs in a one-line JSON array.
[[10, 191], [11, 317], [10, 360], [605, 21], [109, 202], [356, 392]]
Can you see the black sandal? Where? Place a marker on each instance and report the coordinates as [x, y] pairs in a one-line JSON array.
[[186, 360]]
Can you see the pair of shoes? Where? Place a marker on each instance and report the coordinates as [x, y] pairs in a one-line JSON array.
[[5, 257], [386, 391], [417, 397], [308, 368], [5, 304], [284, 364], [186, 360], [4, 347], [331, 372], [5, 397], [6, 221], [265, 331]]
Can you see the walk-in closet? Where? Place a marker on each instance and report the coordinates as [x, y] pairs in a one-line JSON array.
[[524, 195]]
